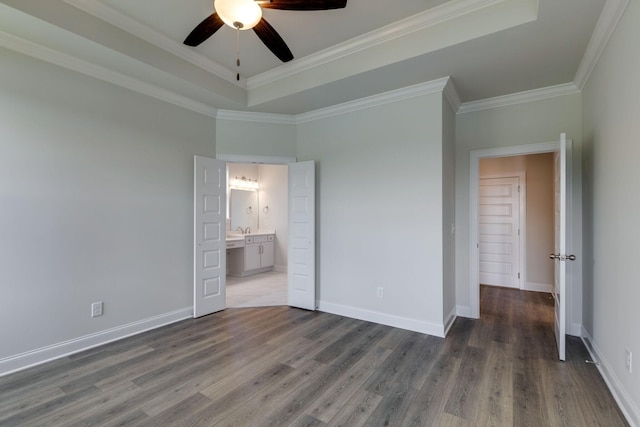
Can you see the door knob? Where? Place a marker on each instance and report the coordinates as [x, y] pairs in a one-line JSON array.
[[562, 257]]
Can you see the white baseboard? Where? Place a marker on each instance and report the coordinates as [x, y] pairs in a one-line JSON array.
[[538, 287], [383, 318], [626, 404], [464, 311], [575, 329], [449, 320], [280, 268], [38, 356]]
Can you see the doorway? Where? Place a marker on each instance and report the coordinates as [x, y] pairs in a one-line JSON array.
[[210, 243], [256, 211], [530, 283]]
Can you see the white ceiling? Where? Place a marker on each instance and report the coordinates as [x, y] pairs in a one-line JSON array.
[[488, 47]]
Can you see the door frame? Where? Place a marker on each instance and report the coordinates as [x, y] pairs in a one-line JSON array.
[[474, 201], [522, 220], [263, 160]]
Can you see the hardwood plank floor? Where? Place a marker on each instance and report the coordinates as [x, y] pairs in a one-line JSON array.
[[278, 366]]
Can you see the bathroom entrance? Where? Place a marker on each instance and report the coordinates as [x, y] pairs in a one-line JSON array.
[[255, 247], [257, 234]]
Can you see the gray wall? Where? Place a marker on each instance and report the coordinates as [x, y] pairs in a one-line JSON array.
[[448, 212], [379, 210], [255, 138], [96, 189], [612, 207]]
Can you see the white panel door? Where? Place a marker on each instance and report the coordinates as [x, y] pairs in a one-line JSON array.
[[560, 246], [301, 269], [209, 253], [499, 230]]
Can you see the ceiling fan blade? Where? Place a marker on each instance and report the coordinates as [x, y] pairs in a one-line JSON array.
[[204, 30], [272, 40], [302, 4]]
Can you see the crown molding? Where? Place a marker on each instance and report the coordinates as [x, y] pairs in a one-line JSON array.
[[73, 63], [451, 94], [607, 23], [445, 12], [138, 29], [408, 92], [246, 116], [269, 160], [520, 97]]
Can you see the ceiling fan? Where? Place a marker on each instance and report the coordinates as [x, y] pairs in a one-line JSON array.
[[247, 14]]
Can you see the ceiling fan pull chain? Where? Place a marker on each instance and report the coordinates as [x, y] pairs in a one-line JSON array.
[[238, 52]]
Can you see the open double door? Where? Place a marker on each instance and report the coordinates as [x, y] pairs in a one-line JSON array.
[[209, 253]]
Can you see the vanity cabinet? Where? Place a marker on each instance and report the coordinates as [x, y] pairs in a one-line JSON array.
[[258, 252], [253, 254]]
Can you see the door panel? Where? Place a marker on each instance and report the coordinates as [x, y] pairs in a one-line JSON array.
[[498, 227], [301, 270], [209, 251], [560, 246]]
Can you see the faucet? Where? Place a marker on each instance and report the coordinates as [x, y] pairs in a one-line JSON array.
[[247, 230], [240, 230]]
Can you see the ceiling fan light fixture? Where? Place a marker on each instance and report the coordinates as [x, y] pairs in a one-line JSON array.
[[240, 14]]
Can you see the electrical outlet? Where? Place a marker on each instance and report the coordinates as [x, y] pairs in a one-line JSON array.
[[628, 360], [96, 309], [380, 291]]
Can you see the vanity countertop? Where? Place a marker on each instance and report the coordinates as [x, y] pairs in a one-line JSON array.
[[234, 236]]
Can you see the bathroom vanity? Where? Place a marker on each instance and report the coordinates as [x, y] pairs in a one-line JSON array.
[[249, 254]]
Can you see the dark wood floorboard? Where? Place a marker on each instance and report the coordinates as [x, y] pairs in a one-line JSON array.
[[278, 366]]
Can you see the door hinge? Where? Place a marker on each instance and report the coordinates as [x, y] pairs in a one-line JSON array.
[[518, 231], [518, 188], [518, 275]]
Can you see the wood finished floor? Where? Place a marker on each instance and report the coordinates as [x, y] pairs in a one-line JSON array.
[[287, 367]]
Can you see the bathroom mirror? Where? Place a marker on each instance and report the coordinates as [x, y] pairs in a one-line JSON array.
[[243, 209]]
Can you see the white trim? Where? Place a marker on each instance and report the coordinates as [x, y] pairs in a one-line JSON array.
[[107, 14], [464, 311], [448, 322], [247, 116], [269, 160], [383, 318], [73, 63], [45, 354], [280, 268], [408, 92], [474, 175], [436, 15], [607, 23], [538, 287], [575, 329], [628, 407], [451, 95], [520, 97]]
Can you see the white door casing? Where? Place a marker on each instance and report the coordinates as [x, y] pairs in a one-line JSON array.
[[209, 252], [301, 269], [499, 232], [559, 255], [473, 310]]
